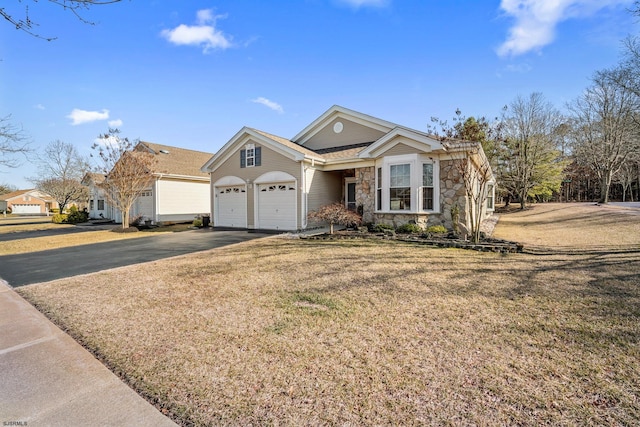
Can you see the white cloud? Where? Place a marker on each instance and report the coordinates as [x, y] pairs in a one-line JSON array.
[[114, 123], [536, 21], [78, 116], [270, 104], [203, 34], [365, 3], [39, 107]]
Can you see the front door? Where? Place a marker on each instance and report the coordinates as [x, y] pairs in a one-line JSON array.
[[350, 194]]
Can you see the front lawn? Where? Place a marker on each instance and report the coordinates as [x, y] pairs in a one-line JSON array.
[[293, 332]]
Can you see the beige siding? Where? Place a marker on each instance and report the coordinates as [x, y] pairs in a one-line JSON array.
[[182, 197], [323, 188], [270, 161], [352, 133], [399, 150]]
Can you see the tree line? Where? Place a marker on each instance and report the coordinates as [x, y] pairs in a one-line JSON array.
[[591, 152]]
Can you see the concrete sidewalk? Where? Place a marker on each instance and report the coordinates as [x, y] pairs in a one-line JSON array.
[[48, 379]]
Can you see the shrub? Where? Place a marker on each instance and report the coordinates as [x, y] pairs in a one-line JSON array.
[[136, 221], [197, 222], [59, 218], [335, 213], [75, 216], [436, 229], [381, 228], [409, 229]]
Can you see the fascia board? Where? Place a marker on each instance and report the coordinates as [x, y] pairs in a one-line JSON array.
[[340, 112], [417, 140], [181, 177]]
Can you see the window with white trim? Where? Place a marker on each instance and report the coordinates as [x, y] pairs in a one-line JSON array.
[[491, 195], [407, 183], [427, 187], [100, 204], [400, 187], [250, 155]]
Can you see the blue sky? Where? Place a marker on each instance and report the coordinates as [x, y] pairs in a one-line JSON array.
[[192, 73]]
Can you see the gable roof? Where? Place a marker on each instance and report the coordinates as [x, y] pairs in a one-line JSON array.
[[92, 178], [358, 152], [176, 161], [277, 143], [400, 134], [31, 192], [337, 111]]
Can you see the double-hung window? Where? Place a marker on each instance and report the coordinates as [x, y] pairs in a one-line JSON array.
[[407, 183], [251, 156], [400, 187], [427, 187], [491, 194]]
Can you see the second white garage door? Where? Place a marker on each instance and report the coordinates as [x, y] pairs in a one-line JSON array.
[[277, 206], [231, 207]]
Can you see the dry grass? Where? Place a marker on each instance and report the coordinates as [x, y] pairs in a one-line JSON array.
[[17, 227], [572, 227], [302, 333], [34, 244]]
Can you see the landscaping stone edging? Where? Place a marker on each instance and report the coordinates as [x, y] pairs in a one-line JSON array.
[[489, 245]]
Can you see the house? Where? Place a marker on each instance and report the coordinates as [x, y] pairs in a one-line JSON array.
[[98, 206], [179, 191], [388, 173], [29, 202]]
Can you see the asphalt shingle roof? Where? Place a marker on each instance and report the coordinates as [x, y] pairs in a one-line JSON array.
[[178, 161]]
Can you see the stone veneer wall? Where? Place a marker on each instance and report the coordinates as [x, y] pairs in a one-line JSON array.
[[365, 192], [451, 191]]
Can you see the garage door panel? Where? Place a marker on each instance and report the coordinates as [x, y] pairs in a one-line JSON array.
[[277, 206], [231, 205], [25, 209]]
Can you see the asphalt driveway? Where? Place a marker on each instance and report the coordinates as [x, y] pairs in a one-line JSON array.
[[36, 267]]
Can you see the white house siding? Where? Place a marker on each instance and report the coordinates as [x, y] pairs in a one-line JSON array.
[[270, 161], [352, 133], [181, 200]]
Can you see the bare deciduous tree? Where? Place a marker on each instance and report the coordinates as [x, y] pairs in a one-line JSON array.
[[61, 172], [128, 171], [19, 16], [606, 134], [530, 150], [12, 142]]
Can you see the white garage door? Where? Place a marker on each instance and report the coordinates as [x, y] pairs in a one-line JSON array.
[[277, 206], [25, 209], [231, 207], [144, 205]]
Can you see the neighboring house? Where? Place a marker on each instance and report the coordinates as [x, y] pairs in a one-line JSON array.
[[389, 173], [29, 202], [179, 192], [98, 206]]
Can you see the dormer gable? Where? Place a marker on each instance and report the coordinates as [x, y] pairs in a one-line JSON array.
[[400, 136], [339, 127]]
